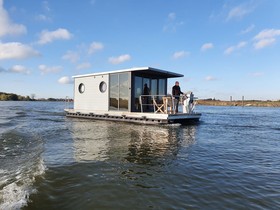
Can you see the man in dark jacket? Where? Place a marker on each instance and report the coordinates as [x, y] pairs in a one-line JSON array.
[[146, 91], [176, 91]]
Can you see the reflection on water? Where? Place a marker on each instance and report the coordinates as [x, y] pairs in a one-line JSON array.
[[90, 141], [153, 144], [142, 144]]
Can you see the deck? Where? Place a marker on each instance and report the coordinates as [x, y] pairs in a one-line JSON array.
[[135, 117]]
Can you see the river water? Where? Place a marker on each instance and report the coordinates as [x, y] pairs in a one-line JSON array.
[[230, 160]]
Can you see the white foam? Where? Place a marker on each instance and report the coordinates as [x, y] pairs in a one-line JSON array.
[[16, 194], [2, 171], [4, 177]]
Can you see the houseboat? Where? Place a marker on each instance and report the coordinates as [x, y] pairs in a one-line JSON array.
[[119, 96]]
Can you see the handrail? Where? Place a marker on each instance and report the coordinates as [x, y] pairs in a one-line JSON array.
[[151, 100]]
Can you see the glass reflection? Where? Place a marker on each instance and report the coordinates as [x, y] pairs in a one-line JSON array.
[[154, 87], [119, 91], [138, 85], [162, 86], [114, 92], [123, 91]]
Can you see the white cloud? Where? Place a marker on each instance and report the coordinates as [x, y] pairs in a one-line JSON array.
[[19, 69], [264, 43], [49, 36], [16, 50], [171, 16], [241, 10], [241, 44], [46, 6], [43, 18], [7, 26], [85, 65], [119, 59], [95, 46], [210, 78], [171, 23], [267, 33], [180, 54], [206, 46], [65, 80], [247, 30], [237, 12], [45, 69], [73, 57], [266, 38], [231, 49]]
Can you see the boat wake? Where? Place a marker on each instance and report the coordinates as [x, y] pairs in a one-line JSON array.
[[21, 164]]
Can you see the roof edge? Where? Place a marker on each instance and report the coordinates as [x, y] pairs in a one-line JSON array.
[[130, 70]]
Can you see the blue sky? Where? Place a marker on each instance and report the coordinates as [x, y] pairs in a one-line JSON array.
[[223, 47]]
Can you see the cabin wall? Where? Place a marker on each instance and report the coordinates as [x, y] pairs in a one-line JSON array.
[[92, 98]]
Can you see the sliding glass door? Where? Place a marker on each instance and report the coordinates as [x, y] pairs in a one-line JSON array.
[[119, 92]]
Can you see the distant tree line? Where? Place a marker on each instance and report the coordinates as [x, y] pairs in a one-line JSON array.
[[13, 97]]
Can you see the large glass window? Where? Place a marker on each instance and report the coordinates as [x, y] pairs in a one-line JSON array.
[[138, 88], [161, 86], [154, 86], [138, 85], [146, 81], [119, 91], [114, 92], [123, 91]]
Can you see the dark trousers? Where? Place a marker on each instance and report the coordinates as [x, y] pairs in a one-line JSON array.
[[176, 101], [146, 103]]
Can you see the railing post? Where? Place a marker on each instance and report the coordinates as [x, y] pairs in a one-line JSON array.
[[140, 101], [154, 103]]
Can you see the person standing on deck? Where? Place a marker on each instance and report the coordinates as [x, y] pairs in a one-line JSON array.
[[176, 92]]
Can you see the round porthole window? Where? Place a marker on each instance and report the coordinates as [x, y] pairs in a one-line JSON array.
[[102, 87], [82, 88]]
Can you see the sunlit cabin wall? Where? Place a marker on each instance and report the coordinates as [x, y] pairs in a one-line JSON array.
[[92, 98]]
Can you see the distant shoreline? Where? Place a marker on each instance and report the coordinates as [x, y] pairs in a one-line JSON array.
[[14, 97], [257, 103]]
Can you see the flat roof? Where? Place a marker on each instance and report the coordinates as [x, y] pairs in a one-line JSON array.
[[141, 70]]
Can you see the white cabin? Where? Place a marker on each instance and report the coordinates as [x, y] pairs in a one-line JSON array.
[[118, 90]]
